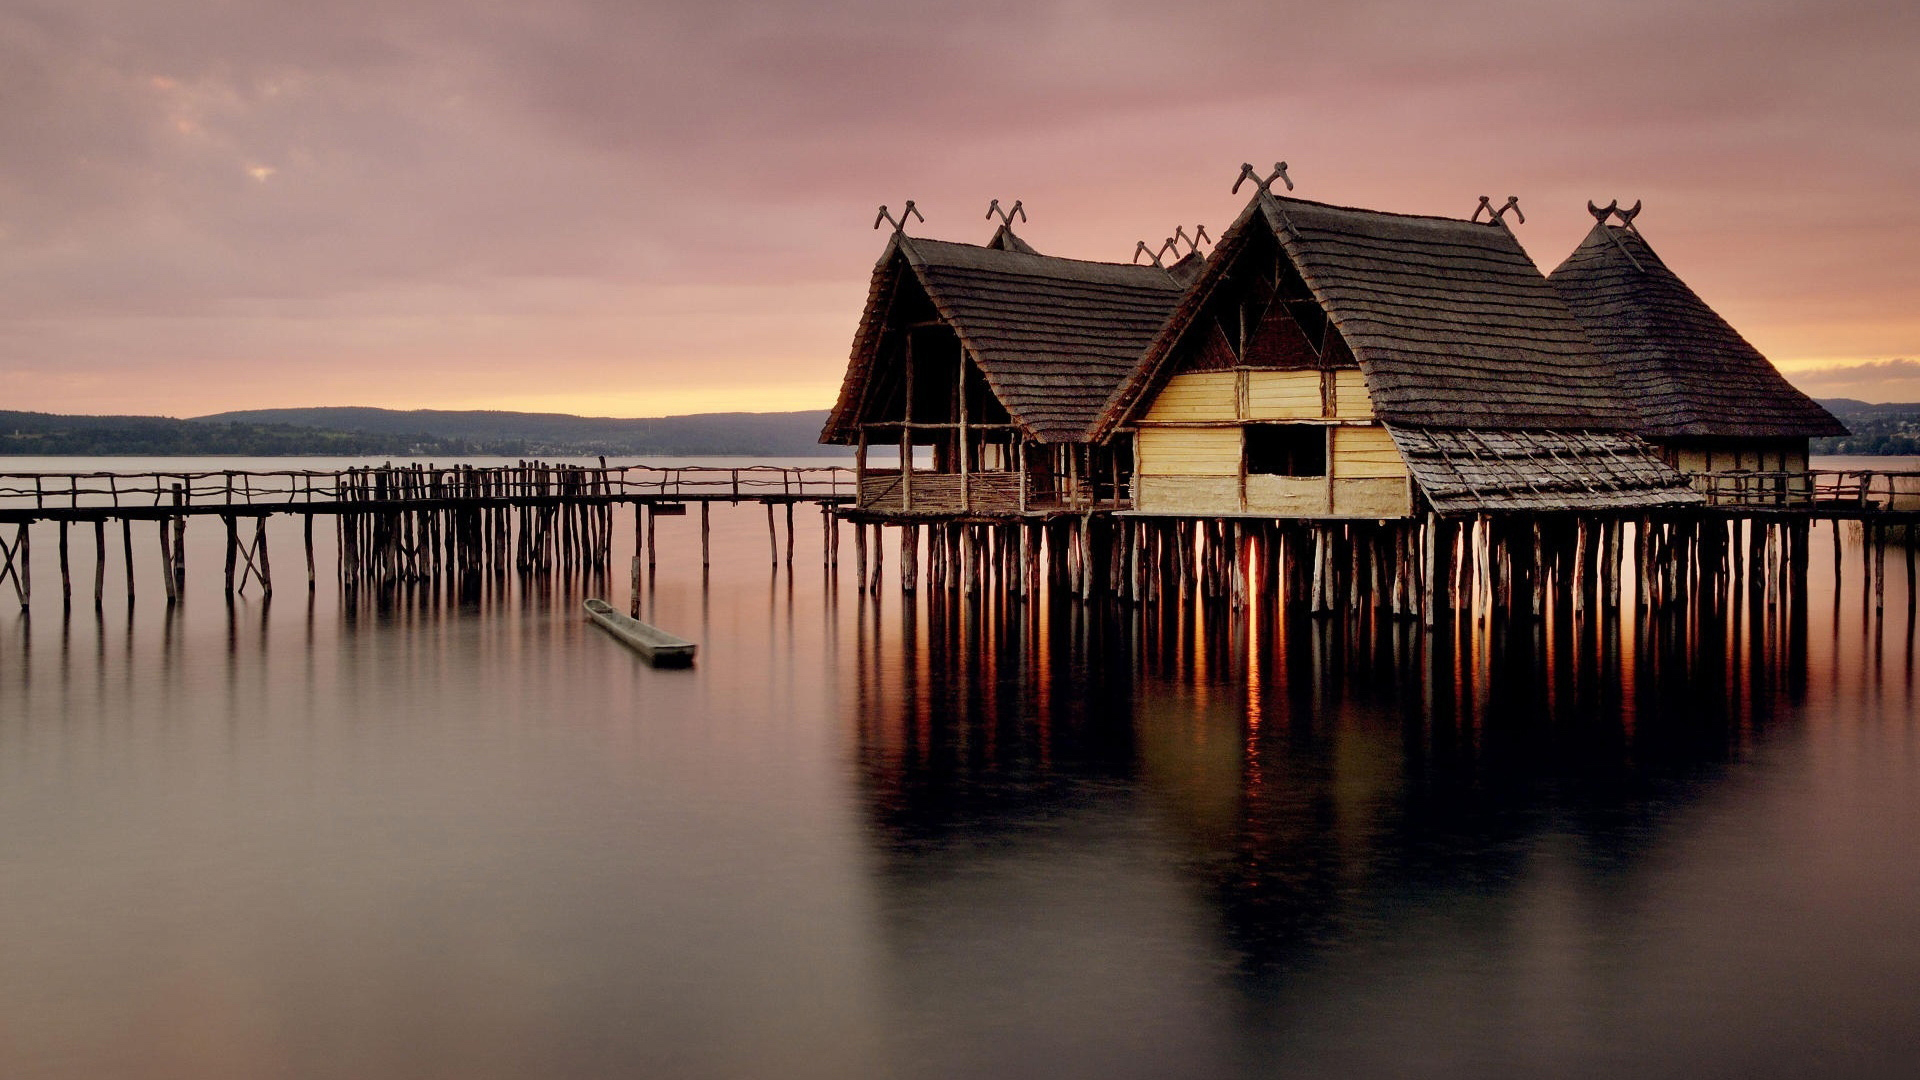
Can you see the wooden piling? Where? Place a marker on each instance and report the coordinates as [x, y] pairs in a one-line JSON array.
[[126, 537], [99, 563], [66, 576]]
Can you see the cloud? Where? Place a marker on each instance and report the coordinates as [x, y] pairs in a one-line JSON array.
[[1897, 379], [271, 178]]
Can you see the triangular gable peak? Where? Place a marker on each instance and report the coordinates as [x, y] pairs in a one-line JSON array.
[[1005, 239], [1690, 372], [1247, 309]]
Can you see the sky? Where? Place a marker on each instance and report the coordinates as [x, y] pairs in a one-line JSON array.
[[632, 208]]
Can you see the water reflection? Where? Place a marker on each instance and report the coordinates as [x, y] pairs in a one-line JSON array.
[[459, 831], [1311, 767], [1298, 794]]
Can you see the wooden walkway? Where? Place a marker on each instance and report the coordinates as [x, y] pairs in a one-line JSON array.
[[399, 524], [403, 525]]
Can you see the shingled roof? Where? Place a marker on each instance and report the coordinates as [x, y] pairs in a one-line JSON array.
[[1452, 324], [1471, 471], [1050, 335], [1687, 370]]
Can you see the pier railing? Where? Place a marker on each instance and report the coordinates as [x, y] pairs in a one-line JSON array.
[[1841, 490], [1858, 490], [241, 488]]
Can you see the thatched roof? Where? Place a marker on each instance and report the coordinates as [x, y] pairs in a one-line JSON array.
[[1050, 335], [1452, 324], [1491, 389], [1688, 371], [1471, 471]]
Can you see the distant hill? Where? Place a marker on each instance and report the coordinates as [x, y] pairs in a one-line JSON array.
[[354, 432], [789, 434], [163, 436], [1891, 428]]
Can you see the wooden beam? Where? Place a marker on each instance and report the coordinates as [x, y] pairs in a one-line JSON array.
[[906, 431]]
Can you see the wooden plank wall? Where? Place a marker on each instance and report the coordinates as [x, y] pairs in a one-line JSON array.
[[1199, 398], [1191, 461]]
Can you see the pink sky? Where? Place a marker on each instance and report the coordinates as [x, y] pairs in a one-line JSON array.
[[622, 208]]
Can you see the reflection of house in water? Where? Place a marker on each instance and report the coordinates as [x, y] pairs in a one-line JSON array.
[[1705, 396], [1302, 781]]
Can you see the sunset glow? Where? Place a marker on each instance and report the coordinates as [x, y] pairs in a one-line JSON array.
[[642, 209]]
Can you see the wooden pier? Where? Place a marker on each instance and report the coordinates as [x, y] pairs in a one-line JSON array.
[[1753, 538], [402, 525], [397, 525]]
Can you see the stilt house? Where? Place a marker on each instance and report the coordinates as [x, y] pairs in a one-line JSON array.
[[1706, 398], [1332, 362], [999, 359]]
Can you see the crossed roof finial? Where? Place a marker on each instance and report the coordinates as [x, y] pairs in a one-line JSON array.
[[1193, 242], [1156, 254], [1498, 215], [1006, 216], [1279, 173], [900, 225], [1612, 209]]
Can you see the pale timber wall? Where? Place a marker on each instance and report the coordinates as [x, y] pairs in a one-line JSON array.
[[1192, 459], [1722, 469]]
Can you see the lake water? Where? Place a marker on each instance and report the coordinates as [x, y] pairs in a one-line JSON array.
[[926, 838]]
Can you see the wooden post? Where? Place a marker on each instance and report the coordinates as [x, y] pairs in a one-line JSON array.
[[639, 545], [126, 536], [1880, 570], [306, 533], [859, 557], [909, 558], [265, 570], [706, 535], [233, 546], [906, 431], [1321, 558], [166, 558], [1912, 542], [9, 568], [179, 545], [789, 534], [66, 576], [1439, 555], [99, 562], [966, 493]]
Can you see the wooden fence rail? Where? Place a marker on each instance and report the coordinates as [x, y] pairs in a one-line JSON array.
[[239, 488]]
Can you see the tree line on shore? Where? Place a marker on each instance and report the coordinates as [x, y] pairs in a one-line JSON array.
[[356, 432]]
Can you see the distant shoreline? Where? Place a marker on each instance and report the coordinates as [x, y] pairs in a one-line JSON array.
[[364, 432]]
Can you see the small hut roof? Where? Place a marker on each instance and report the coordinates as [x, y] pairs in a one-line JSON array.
[[1474, 471], [1451, 323], [1687, 370], [1051, 336]]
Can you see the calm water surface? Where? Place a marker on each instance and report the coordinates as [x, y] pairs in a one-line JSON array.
[[473, 837]]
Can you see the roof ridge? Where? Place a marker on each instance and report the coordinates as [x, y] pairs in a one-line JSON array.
[[1003, 252], [1285, 199]]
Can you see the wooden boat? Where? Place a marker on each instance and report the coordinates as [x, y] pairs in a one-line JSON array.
[[658, 646]]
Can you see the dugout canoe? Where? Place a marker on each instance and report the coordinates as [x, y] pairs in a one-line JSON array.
[[651, 642]]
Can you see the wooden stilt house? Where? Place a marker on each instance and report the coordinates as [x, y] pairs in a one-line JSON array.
[[1706, 398], [998, 359], [1332, 362]]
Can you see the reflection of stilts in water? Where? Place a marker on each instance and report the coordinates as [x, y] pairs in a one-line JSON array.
[[1300, 754]]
